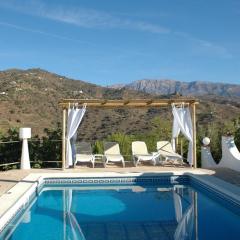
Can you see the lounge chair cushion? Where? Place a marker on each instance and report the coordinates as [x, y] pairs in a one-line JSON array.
[[111, 148], [84, 158], [114, 157], [172, 155], [165, 149], [145, 157], [139, 148], [112, 152]]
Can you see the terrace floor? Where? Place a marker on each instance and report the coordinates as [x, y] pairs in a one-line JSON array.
[[9, 178]]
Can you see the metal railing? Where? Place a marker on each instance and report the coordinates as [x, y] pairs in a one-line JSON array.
[[10, 160]]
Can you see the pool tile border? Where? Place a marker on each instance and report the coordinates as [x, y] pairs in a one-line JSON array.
[[119, 180]]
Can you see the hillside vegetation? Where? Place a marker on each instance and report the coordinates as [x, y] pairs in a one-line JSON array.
[[30, 98]]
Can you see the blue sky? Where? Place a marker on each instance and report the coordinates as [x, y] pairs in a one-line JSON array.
[[109, 41]]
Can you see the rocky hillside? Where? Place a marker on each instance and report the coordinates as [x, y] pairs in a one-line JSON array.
[[166, 87], [30, 98]]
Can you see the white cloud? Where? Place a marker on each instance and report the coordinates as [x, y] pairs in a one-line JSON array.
[[82, 17], [21, 28], [90, 18], [204, 47], [215, 48]]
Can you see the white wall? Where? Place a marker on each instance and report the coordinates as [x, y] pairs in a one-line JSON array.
[[230, 156]]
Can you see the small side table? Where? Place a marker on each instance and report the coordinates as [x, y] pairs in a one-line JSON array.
[[100, 158]]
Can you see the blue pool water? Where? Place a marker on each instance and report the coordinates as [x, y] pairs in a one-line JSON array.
[[131, 212]]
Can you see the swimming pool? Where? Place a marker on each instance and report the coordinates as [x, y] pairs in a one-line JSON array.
[[166, 207]]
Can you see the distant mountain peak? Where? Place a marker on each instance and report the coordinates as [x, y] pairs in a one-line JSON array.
[[169, 87]]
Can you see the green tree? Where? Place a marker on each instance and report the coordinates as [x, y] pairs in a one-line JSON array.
[[51, 147], [98, 147], [237, 132], [124, 142], [10, 150], [34, 151]]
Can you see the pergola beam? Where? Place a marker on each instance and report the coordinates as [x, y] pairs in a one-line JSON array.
[[66, 103]]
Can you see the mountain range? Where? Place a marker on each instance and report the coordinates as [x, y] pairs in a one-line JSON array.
[[196, 88], [29, 98]]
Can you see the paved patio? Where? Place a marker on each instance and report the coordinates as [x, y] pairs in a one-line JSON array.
[[9, 178]]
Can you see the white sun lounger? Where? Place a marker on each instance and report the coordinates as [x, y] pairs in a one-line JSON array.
[[166, 151], [84, 153], [140, 153], [112, 153]]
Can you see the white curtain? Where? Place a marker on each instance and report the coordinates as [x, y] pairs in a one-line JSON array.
[[74, 119], [176, 129], [185, 226], [177, 205], [183, 122], [74, 231], [68, 200], [73, 142]]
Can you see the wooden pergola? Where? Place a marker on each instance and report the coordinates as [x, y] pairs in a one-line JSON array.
[[127, 103]]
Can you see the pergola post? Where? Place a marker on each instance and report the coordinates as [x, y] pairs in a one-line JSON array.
[[64, 139], [194, 135]]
